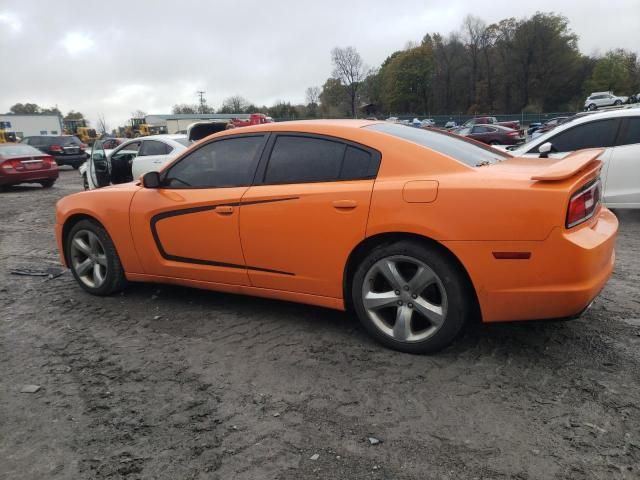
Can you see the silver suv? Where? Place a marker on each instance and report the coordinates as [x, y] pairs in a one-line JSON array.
[[603, 99]]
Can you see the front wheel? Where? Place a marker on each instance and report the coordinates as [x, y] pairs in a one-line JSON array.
[[93, 259], [592, 106], [617, 103], [411, 298]]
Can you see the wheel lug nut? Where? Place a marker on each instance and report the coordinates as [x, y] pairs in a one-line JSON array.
[[406, 287], [399, 302], [410, 305], [414, 296], [397, 292]]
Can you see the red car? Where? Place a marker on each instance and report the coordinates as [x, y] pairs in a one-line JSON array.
[[20, 163], [492, 134]]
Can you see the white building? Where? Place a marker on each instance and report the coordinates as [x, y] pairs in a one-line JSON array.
[[180, 122], [25, 125]]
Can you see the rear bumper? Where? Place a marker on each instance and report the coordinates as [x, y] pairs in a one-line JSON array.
[[73, 160], [33, 176], [561, 278]]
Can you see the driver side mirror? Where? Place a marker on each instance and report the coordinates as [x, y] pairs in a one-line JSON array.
[[545, 149], [151, 180]]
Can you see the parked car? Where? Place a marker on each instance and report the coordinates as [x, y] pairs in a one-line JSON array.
[[549, 125], [130, 160], [533, 127], [451, 124], [492, 134], [65, 149], [603, 99], [427, 123], [513, 124], [418, 245], [618, 132], [110, 143], [24, 164]]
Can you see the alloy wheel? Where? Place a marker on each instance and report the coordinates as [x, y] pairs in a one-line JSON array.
[[404, 298], [88, 258]]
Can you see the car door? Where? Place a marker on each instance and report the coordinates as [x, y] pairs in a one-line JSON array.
[[99, 168], [305, 213], [188, 228], [151, 157], [622, 187]]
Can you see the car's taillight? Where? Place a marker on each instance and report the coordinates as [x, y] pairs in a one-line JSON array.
[[584, 203], [56, 148], [48, 162]]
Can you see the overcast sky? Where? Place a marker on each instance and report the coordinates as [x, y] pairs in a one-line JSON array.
[[116, 57]]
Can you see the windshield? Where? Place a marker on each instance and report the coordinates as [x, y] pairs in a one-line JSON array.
[[454, 146]]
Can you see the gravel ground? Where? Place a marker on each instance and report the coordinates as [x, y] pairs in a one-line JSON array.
[[174, 383]]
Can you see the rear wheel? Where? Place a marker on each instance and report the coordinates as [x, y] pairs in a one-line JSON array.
[[410, 297], [48, 183], [617, 102], [93, 259]]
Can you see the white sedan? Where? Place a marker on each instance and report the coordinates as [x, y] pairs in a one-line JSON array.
[[618, 131], [130, 160]]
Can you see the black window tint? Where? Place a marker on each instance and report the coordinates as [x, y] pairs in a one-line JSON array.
[[631, 134], [465, 151], [225, 163], [304, 159], [66, 141], [589, 135], [357, 164], [153, 147]]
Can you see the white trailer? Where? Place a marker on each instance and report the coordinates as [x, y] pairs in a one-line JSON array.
[[25, 125]]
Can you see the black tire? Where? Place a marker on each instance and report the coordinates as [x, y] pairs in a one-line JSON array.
[[114, 280], [460, 298], [494, 142], [48, 183], [617, 102], [593, 106]]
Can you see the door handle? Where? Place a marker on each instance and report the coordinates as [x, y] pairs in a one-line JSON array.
[[224, 209], [345, 204]]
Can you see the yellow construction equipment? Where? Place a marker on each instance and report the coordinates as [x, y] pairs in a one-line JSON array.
[[7, 137], [140, 128], [79, 128]]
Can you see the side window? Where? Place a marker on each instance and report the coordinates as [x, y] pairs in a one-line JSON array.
[[304, 159], [588, 135], [631, 133], [153, 147], [358, 164], [300, 159], [230, 162], [480, 129]]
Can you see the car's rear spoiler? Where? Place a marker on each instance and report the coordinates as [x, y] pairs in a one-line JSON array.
[[569, 165]]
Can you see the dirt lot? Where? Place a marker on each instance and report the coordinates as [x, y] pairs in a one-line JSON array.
[[173, 383]]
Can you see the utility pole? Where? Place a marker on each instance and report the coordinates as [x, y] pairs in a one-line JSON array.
[[202, 100]]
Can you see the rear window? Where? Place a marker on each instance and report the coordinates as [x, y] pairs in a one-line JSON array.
[[17, 149], [66, 141], [453, 146]]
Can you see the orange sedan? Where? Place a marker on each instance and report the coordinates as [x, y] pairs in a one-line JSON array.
[[416, 231]]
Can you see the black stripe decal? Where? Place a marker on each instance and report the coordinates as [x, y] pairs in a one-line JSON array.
[[185, 211]]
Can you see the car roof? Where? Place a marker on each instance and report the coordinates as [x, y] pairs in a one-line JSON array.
[[632, 111]]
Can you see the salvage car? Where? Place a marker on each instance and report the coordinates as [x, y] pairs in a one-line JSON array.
[[65, 149], [617, 131], [129, 160], [24, 164], [417, 231], [492, 134]]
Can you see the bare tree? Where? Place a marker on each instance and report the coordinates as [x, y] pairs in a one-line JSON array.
[[313, 95], [473, 32], [234, 104], [103, 128], [350, 70], [138, 114]]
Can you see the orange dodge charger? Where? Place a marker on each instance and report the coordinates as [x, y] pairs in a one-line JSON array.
[[416, 231]]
